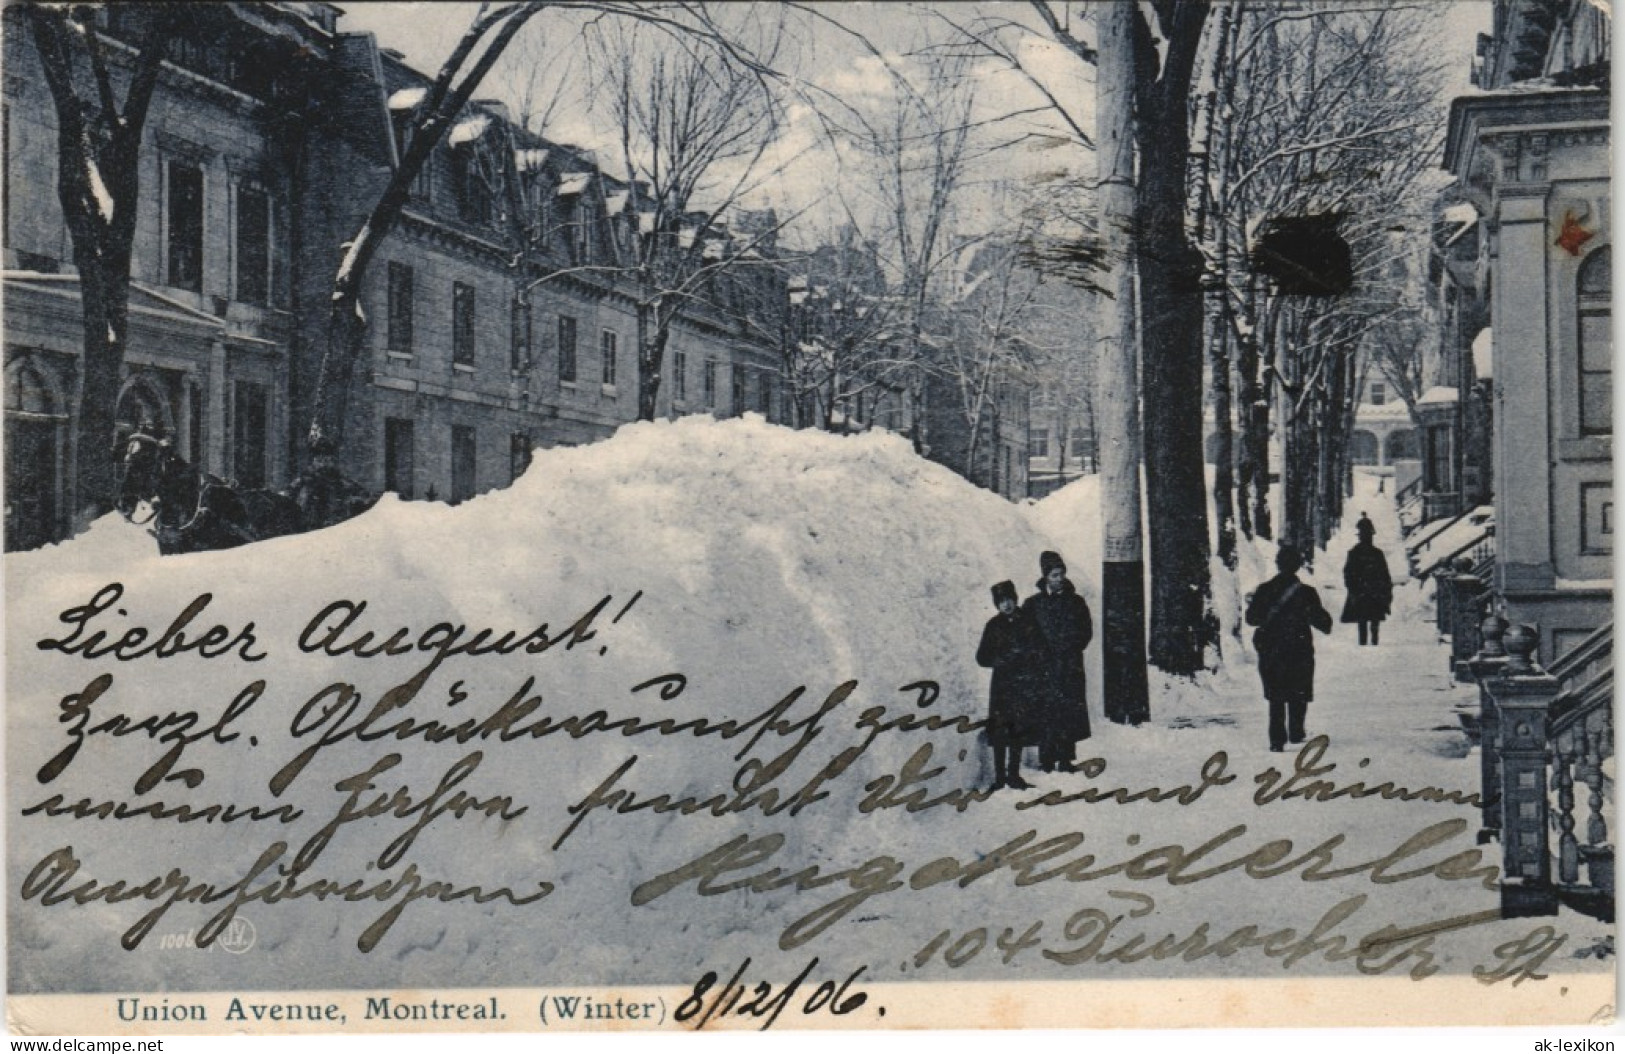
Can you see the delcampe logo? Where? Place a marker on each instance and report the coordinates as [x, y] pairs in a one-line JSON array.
[[237, 938]]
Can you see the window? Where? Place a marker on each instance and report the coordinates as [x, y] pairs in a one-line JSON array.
[[679, 376], [248, 434], [1038, 443], [398, 456], [519, 447], [608, 344], [710, 383], [567, 349], [1596, 344], [462, 324], [400, 308], [581, 231], [463, 460], [253, 245], [1376, 393], [185, 226], [764, 396], [519, 359], [738, 389], [472, 189], [1437, 474]]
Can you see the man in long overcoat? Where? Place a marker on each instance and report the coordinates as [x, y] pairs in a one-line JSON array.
[[1064, 618], [1370, 587], [1285, 610], [1014, 649]]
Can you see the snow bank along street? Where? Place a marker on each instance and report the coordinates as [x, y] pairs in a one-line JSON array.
[[701, 683]]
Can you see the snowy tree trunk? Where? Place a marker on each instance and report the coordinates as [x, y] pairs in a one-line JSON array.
[[1218, 329], [1127, 699], [651, 356], [98, 185], [1182, 624]]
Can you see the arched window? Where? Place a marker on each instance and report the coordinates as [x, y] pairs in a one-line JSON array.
[[1596, 343], [29, 393], [1363, 448], [142, 408]]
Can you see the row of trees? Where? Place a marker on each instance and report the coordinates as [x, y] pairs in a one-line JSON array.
[[1320, 120], [1332, 119]]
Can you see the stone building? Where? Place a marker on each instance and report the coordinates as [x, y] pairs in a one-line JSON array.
[[271, 133], [1530, 152], [210, 321]]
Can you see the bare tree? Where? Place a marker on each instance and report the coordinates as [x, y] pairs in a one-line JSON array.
[[903, 160], [842, 339], [98, 184], [693, 126]]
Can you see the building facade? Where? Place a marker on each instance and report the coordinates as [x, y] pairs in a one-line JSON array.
[[207, 354], [1530, 152], [271, 133]]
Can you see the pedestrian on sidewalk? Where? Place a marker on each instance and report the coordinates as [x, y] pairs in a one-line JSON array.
[[1370, 587], [1285, 609], [1014, 649], [1064, 618]]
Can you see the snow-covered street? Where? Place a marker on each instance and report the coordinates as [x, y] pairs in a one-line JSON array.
[[740, 561]]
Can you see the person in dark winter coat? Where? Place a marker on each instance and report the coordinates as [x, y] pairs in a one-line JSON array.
[[1285, 610], [1370, 587], [1064, 618], [1014, 649]]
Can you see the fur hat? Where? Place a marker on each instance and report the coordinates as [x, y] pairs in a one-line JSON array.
[[1049, 561], [1004, 590]]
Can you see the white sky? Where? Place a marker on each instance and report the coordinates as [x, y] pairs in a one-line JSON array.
[[549, 59]]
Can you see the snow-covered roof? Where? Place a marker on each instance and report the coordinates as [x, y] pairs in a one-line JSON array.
[[614, 203], [1483, 346], [574, 183], [1438, 395], [530, 160], [1464, 217], [469, 130], [407, 98], [1535, 86], [1373, 412]]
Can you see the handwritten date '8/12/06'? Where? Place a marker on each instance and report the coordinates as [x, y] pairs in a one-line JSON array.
[[707, 1004]]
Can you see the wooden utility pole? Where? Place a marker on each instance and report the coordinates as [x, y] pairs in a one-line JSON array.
[[1117, 381]]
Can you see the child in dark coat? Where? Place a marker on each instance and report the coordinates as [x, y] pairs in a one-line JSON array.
[[1013, 647]]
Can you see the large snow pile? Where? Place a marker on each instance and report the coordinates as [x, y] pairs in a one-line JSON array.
[[691, 571]]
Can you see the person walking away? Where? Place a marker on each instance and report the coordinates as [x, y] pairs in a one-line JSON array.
[[1370, 587], [1063, 617], [1285, 609], [1014, 649]]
